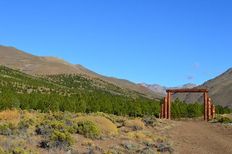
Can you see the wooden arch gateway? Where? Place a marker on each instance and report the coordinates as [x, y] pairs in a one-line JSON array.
[[209, 108]]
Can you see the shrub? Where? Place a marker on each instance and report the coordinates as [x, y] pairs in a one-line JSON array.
[[19, 150], [88, 129], [105, 126], [60, 139], [43, 129], [150, 121], [225, 120], [117, 120], [140, 135], [56, 134], [7, 129], [24, 124], [135, 124], [12, 116]]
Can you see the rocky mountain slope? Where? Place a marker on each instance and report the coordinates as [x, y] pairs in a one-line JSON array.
[[162, 89], [220, 90]]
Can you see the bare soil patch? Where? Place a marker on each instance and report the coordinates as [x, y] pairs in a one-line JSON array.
[[199, 137]]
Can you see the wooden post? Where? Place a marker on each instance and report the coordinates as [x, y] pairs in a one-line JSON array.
[[169, 106], [162, 111], [165, 108], [209, 117], [205, 105], [213, 111]]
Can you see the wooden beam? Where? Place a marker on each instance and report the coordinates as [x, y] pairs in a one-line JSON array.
[[193, 90]]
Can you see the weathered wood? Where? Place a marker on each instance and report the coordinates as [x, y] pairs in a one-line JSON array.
[[205, 105], [193, 90], [209, 117], [169, 105], [165, 108], [162, 111], [209, 108]]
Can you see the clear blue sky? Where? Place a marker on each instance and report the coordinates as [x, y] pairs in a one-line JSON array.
[[170, 42]]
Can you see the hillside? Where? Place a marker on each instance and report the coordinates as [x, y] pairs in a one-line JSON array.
[[220, 90], [35, 65], [70, 92]]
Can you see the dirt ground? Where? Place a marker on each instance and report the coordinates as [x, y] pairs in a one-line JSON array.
[[199, 137]]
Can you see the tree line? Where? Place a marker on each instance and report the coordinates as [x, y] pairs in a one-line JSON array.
[[77, 93], [182, 109], [95, 101]]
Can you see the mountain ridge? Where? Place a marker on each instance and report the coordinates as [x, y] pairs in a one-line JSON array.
[[220, 90], [162, 89], [41, 65], [220, 87]]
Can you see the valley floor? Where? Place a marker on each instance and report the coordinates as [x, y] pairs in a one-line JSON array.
[[199, 137]]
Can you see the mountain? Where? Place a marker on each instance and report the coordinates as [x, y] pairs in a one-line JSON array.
[[162, 89], [156, 88], [188, 85], [220, 90], [36, 65]]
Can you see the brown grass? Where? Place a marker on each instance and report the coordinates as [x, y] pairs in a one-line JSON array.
[[134, 124], [11, 116], [145, 136]]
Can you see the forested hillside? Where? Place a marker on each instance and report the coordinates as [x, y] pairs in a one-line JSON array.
[[75, 93]]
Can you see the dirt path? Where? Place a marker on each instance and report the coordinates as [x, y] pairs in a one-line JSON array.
[[199, 137]]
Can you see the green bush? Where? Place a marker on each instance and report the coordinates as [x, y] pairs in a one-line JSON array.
[[182, 109], [225, 120], [88, 129], [24, 124], [60, 139], [19, 150], [223, 110], [56, 134], [7, 129]]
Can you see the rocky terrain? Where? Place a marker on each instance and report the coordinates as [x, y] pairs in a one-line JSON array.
[[220, 90], [162, 89]]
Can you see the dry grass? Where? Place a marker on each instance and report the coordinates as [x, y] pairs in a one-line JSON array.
[[228, 116], [10, 116], [87, 142], [135, 124], [110, 136], [105, 125], [139, 135]]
